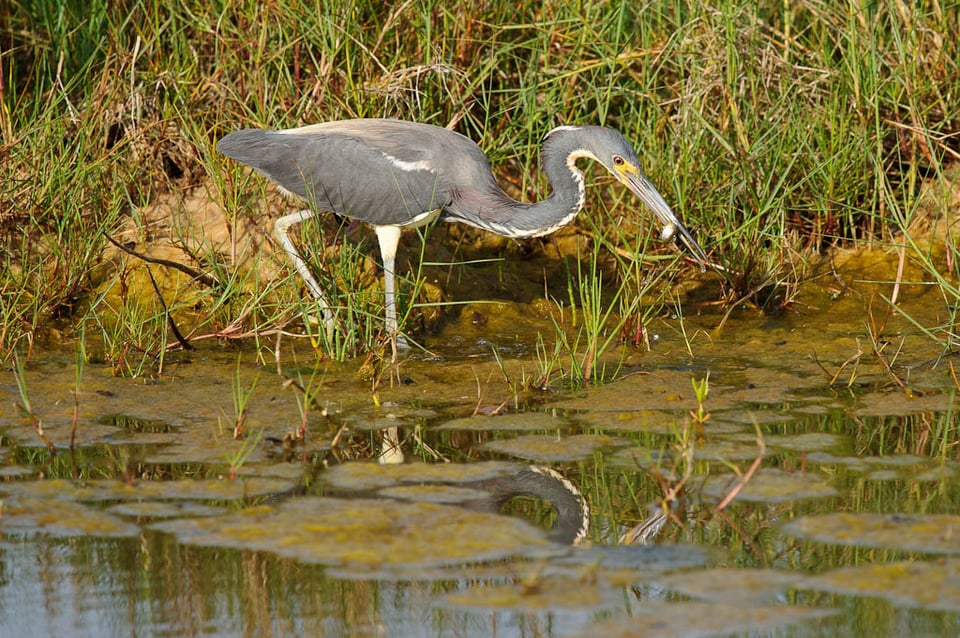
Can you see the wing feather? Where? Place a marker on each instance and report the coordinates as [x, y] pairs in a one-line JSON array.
[[373, 174]]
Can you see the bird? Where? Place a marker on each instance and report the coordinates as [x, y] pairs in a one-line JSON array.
[[394, 174]]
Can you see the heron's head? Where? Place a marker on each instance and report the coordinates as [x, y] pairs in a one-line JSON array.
[[614, 152]]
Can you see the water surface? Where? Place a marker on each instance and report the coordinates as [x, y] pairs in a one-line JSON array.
[[837, 455]]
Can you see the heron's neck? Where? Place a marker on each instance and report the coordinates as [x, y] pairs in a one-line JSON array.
[[559, 156], [566, 197], [497, 212]]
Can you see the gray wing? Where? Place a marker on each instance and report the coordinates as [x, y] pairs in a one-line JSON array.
[[378, 171]]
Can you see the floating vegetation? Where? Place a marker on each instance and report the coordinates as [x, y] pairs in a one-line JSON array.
[[731, 585], [364, 534], [370, 476], [770, 486], [553, 448], [923, 584], [36, 515], [512, 422], [103, 490], [927, 533]]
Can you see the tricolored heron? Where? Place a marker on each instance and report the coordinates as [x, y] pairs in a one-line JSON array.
[[394, 174]]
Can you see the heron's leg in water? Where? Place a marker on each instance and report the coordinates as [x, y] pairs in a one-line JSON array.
[[390, 451], [281, 226], [389, 238]]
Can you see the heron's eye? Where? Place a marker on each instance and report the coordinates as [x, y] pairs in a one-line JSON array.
[[618, 161]]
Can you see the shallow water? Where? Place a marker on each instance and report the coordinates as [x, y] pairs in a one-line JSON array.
[[847, 522]]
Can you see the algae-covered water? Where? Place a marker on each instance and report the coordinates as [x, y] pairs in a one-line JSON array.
[[816, 488]]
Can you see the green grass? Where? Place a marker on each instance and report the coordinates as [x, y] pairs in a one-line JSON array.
[[777, 131]]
